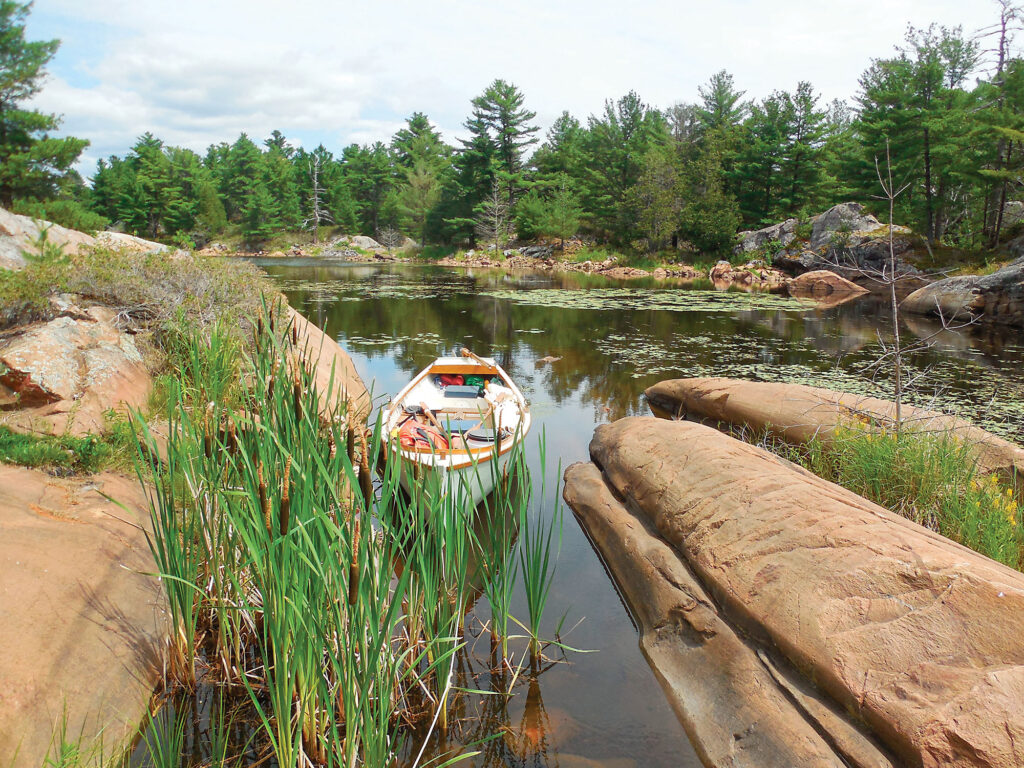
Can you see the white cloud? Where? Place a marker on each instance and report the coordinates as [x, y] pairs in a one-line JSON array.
[[351, 71]]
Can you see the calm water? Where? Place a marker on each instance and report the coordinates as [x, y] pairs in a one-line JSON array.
[[614, 339]]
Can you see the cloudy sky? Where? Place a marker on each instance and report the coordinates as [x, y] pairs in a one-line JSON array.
[[339, 71]]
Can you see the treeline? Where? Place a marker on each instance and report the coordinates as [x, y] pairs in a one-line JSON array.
[[949, 117]]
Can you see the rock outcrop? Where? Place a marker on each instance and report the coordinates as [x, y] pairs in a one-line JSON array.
[[336, 377], [21, 234], [62, 376], [751, 275], [83, 624], [914, 635], [994, 298], [797, 413], [737, 708], [845, 240], [824, 286]]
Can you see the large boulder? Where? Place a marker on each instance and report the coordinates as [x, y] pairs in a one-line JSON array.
[[845, 219], [22, 234], [798, 413], [782, 233], [83, 624], [823, 285], [995, 298], [916, 636], [366, 243], [64, 375], [737, 707]]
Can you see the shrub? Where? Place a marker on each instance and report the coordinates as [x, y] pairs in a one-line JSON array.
[[67, 213], [931, 479]]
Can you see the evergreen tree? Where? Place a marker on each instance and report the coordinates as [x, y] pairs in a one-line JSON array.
[[655, 198], [917, 103], [757, 170], [32, 162], [721, 107], [563, 153], [615, 145], [710, 215], [500, 112]]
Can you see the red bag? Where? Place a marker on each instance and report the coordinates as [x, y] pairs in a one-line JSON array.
[[450, 379]]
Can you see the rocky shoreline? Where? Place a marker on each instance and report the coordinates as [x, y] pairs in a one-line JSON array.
[[848, 635]]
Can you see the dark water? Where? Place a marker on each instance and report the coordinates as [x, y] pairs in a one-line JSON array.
[[614, 339]]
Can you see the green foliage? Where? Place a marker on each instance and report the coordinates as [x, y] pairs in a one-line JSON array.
[[32, 163], [73, 455], [69, 213], [931, 479]]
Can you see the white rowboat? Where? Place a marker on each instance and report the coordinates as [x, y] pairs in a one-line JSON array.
[[456, 438]]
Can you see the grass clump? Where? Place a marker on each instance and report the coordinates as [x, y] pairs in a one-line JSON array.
[[66, 454], [931, 479]]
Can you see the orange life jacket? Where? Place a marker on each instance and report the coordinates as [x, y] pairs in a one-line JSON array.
[[412, 434]]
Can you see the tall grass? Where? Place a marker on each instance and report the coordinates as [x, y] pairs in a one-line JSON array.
[[337, 608], [930, 478]]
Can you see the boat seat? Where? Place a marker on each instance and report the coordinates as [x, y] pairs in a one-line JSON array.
[[459, 426], [461, 391]]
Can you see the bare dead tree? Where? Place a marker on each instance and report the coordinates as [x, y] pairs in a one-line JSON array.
[[492, 221], [318, 213], [390, 238], [1011, 18]]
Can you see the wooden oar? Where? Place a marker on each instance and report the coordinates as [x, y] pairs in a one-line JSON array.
[[466, 353], [427, 412]]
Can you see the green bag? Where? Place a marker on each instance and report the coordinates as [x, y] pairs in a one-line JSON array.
[[475, 381]]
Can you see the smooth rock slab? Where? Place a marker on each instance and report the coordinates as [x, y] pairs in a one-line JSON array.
[[81, 625], [797, 413], [825, 287], [996, 298], [916, 635], [333, 370], [728, 700], [21, 234]]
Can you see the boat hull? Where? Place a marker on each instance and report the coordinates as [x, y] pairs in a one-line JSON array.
[[472, 484]]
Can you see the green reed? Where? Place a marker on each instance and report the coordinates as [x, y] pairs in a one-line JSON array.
[[537, 554], [336, 608]]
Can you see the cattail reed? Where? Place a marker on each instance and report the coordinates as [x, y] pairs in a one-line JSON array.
[[350, 445], [286, 499], [264, 497], [297, 393], [365, 480], [353, 569]]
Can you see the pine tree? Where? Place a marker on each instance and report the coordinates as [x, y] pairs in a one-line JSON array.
[[722, 107], [615, 145], [32, 162], [500, 112]]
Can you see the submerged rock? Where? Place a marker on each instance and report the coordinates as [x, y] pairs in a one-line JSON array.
[[797, 413], [996, 298], [83, 624], [913, 634], [64, 375]]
